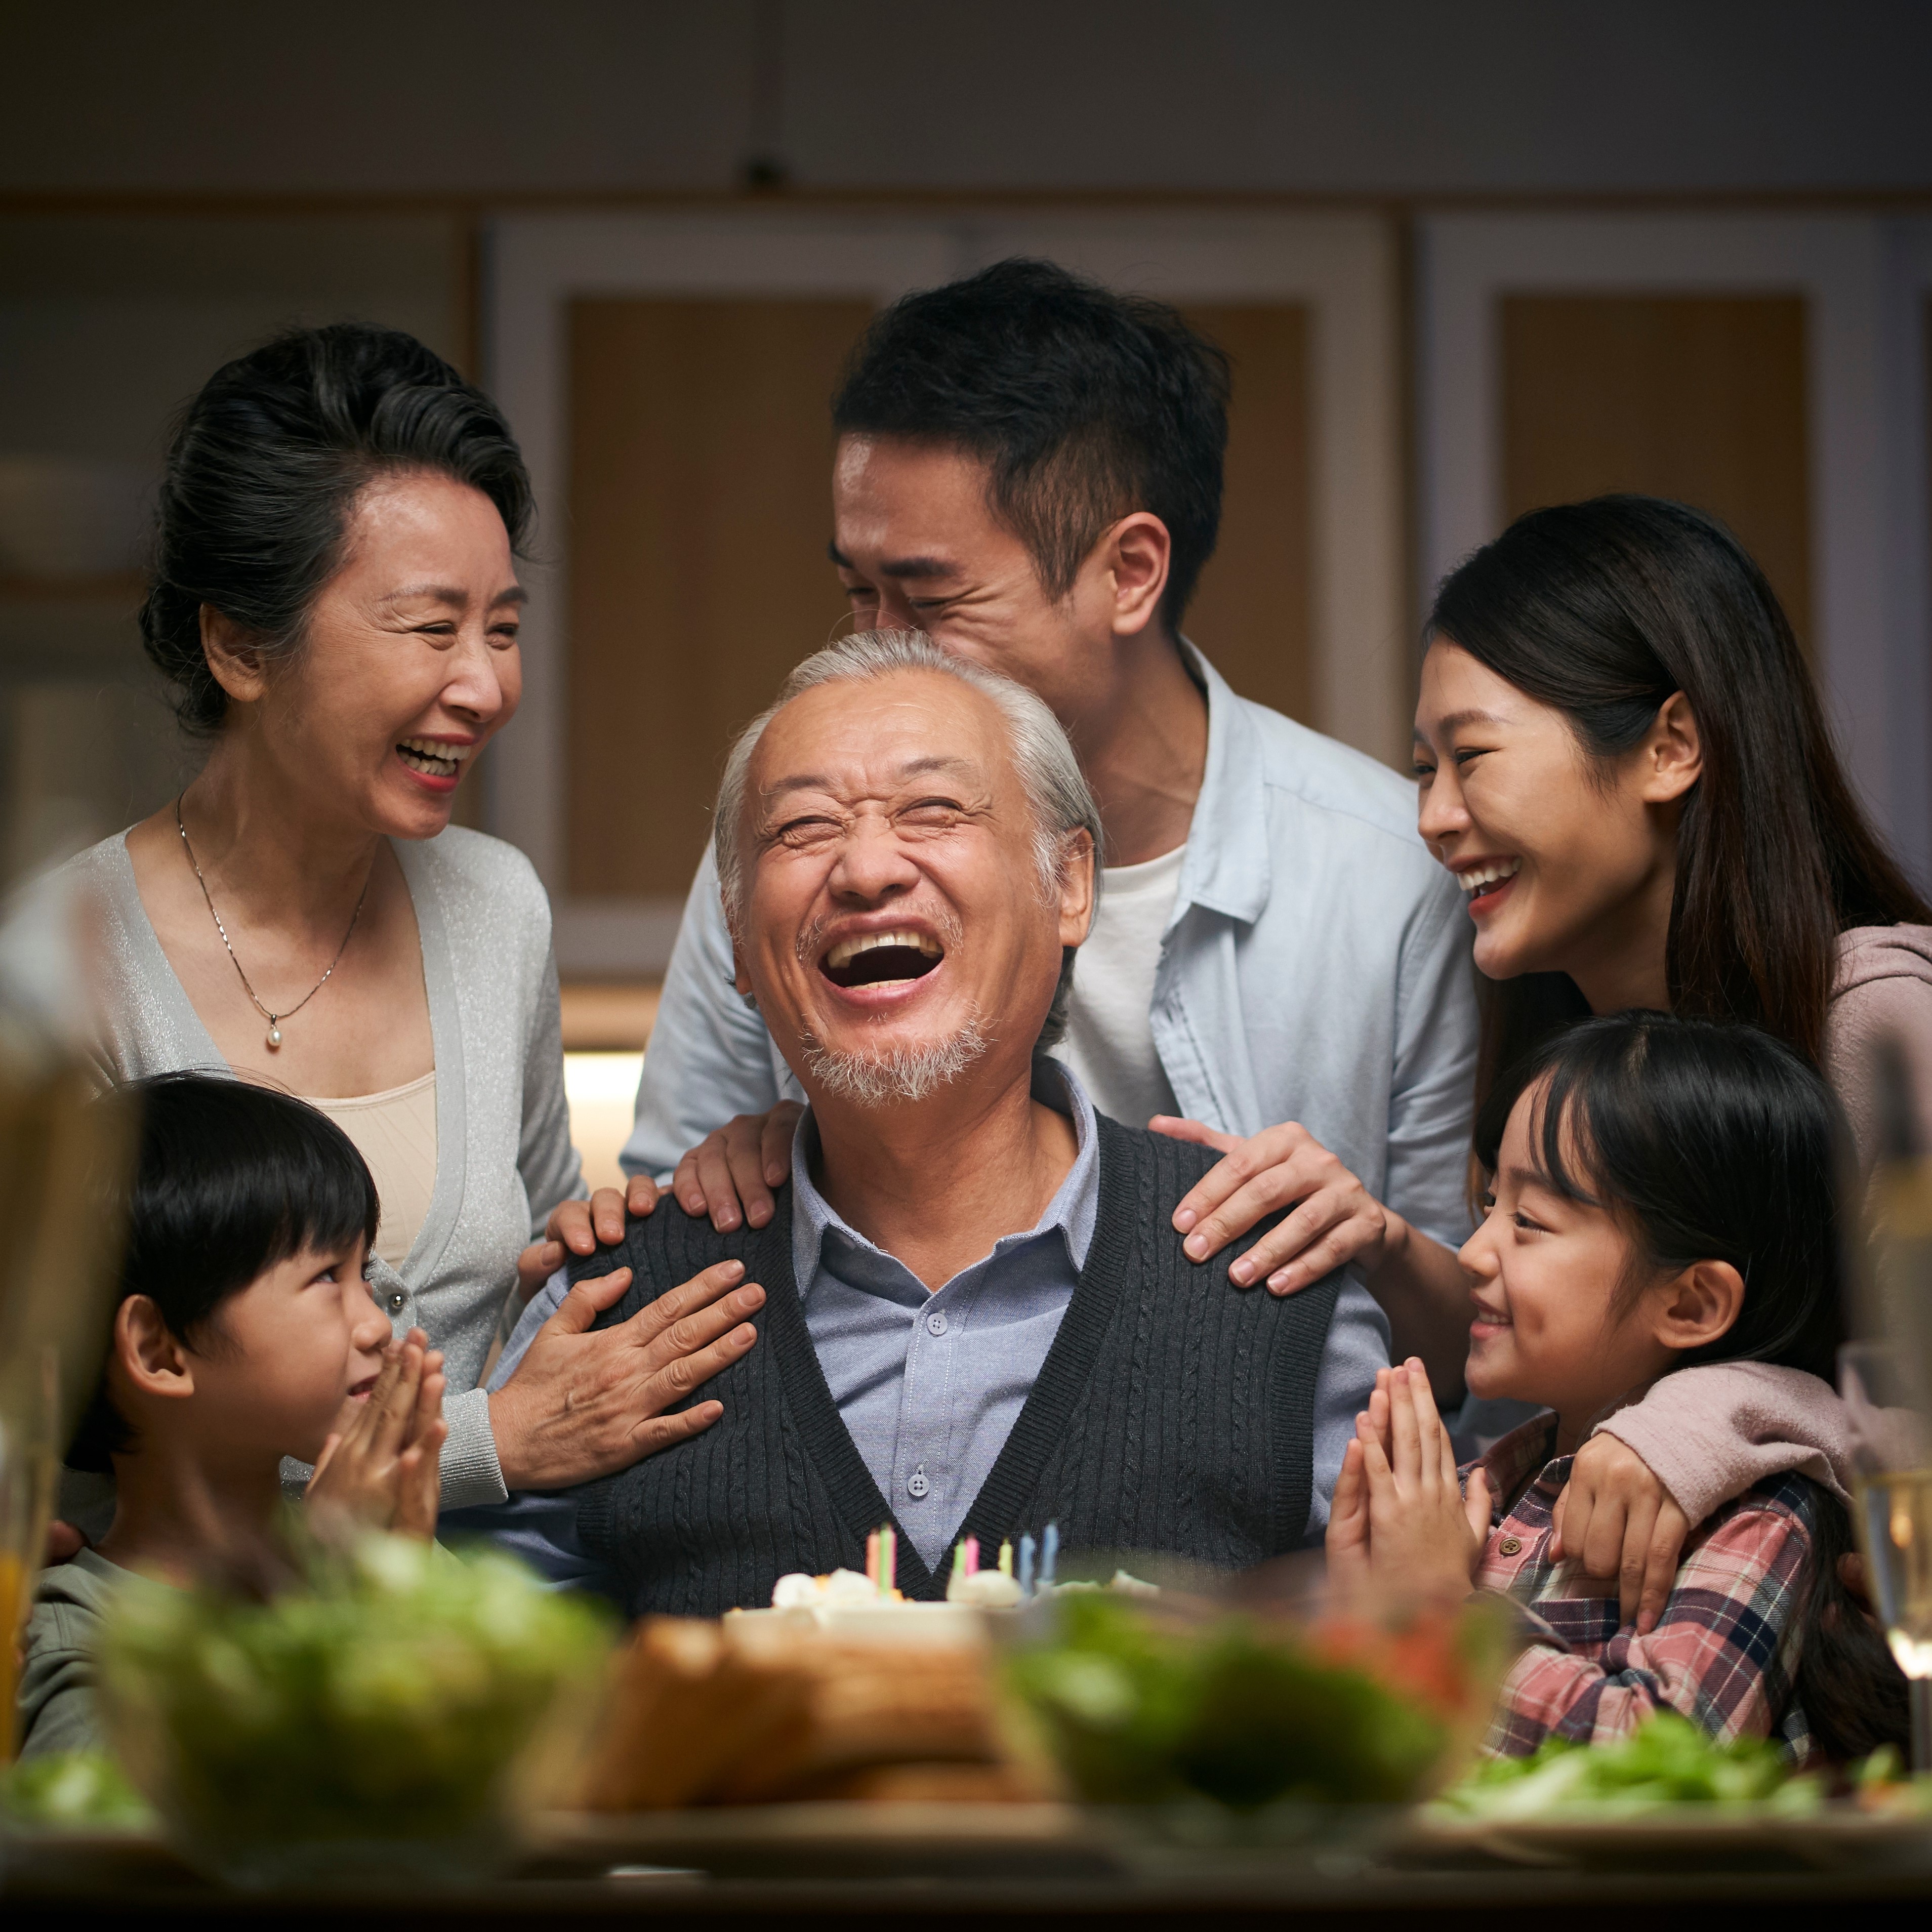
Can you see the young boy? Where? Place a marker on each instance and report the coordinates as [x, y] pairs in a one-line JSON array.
[[244, 1332]]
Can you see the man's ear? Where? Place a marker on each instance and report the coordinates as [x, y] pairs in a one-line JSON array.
[[233, 656], [1698, 1306], [1136, 554], [1673, 751], [147, 1353], [1076, 888], [740, 978]]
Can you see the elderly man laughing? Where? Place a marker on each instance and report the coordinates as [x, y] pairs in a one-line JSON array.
[[977, 1316]]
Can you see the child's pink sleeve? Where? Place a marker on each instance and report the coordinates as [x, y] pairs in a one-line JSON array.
[[1708, 1434], [1736, 1609]]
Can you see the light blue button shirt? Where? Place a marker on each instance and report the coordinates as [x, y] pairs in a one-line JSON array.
[[1315, 968], [930, 1383]]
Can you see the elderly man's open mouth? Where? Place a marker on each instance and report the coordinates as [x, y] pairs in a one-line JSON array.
[[876, 958]]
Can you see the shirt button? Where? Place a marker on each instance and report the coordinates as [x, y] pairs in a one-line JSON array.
[[1511, 1546], [935, 1322], [397, 1301], [917, 1486]]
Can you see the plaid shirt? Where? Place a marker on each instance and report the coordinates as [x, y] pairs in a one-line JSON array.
[[1726, 1648]]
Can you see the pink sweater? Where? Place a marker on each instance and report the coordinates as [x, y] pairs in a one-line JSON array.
[[1884, 985], [1710, 1434]]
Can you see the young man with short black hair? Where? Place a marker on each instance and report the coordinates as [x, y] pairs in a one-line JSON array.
[[1029, 469]]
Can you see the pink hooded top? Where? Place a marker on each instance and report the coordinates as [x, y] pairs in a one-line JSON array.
[[1709, 1434]]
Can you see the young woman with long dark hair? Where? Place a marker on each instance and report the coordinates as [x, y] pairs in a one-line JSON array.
[[1623, 759]]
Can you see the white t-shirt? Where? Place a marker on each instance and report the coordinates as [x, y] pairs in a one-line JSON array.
[[1109, 1041]]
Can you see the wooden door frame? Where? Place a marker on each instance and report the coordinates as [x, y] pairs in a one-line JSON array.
[[1906, 344], [1869, 633], [1343, 267], [534, 265]]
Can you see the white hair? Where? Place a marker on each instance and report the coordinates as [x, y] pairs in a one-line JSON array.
[[1049, 773], [904, 1073]]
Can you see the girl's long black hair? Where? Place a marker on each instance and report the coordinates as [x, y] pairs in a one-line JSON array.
[[1603, 611], [1711, 1141]]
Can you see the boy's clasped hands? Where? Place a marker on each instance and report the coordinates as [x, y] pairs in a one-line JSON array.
[[1402, 1525], [381, 1466]]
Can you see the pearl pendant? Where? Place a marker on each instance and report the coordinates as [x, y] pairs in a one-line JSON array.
[[274, 1036]]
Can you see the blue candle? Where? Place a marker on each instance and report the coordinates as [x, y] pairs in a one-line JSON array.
[[1026, 1566], [1049, 1556]]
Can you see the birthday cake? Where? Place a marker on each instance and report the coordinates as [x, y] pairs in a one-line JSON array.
[[844, 1599]]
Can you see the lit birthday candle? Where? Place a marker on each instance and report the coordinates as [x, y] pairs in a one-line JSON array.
[[872, 1558], [1006, 1558], [1026, 1566], [972, 1556], [889, 1561], [1049, 1556]]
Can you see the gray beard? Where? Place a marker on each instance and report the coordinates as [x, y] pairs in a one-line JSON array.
[[903, 1074]]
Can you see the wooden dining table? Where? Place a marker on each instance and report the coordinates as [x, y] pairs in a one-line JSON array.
[[1368, 1899]]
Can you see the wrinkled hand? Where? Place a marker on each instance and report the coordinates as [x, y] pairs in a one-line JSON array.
[[578, 1227], [381, 1470], [1619, 1520], [584, 1404], [1336, 1219], [730, 1175], [1425, 1534]]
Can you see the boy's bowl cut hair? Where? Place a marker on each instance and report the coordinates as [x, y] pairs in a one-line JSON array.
[[1709, 1140], [230, 1181]]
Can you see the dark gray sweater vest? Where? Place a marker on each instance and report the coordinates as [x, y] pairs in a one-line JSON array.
[[1174, 1413]]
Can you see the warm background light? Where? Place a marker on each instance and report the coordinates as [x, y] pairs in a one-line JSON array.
[[606, 1026]]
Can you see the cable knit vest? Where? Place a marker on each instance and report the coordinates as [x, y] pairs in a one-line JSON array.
[[1174, 1413]]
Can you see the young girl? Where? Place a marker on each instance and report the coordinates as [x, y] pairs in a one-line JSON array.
[[244, 1332], [1661, 1195]]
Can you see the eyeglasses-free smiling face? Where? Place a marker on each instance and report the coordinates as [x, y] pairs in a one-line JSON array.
[[1545, 1272], [892, 906], [409, 665], [280, 1361], [917, 547], [1566, 865]]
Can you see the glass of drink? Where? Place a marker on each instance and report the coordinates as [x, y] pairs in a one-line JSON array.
[[62, 1151], [1884, 1389]]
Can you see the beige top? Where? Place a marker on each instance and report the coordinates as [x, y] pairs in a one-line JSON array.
[[395, 1133]]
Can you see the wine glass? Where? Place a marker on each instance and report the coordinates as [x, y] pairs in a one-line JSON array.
[[1883, 1387], [64, 1156]]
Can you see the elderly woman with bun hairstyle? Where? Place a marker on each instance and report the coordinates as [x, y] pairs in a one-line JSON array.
[[1621, 755], [335, 603]]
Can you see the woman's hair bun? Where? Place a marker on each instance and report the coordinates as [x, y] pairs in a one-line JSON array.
[[265, 465]]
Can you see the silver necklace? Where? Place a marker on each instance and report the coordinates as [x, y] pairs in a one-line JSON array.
[[273, 1019]]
